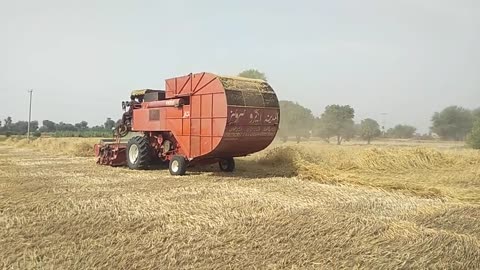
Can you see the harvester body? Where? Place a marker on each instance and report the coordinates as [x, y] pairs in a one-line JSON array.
[[198, 118]]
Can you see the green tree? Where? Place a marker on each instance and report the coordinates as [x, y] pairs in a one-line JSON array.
[[48, 126], [98, 128], [8, 122], [452, 123], [109, 124], [253, 74], [401, 132], [65, 127], [34, 126], [295, 120], [82, 125], [369, 129], [476, 113], [473, 138], [337, 121], [21, 127], [320, 130]]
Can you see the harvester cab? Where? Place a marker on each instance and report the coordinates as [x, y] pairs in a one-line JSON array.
[[198, 119], [137, 97]]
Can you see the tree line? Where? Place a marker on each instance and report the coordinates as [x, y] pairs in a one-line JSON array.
[[337, 122], [61, 129]]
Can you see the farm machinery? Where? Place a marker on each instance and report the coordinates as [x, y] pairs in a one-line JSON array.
[[200, 118]]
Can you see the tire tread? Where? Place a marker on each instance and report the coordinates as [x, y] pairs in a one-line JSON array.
[[144, 158]]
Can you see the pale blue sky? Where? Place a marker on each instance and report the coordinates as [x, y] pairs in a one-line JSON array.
[[407, 58]]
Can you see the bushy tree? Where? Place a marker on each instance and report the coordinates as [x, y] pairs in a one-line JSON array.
[[82, 125], [60, 130], [295, 120], [452, 123], [337, 121], [65, 127], [476, 113], [253, 74], [19, 127], [109, 124], [48, 126], [98, 128], [473, 138], [401, 132], [34, 126], [8, 122], [369, 129], [320, 130]]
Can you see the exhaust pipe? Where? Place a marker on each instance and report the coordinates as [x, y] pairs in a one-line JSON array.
[[165, 103]]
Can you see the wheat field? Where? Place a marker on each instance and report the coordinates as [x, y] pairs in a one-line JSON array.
[[307, 206]]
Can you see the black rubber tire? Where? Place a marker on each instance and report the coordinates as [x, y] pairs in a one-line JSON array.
[[178, 165], [144, 157], [227, 164]]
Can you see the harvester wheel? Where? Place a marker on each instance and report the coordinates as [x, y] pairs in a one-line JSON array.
[[138, 153], [178, 165], [227, 164]]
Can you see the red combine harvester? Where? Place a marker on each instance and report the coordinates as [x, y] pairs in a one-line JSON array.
[[198, 119]]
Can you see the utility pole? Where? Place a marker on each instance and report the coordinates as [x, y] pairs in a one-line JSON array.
[[29, 114], [383, 123]]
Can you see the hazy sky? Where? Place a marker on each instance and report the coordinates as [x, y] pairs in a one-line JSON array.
[[407, 58]]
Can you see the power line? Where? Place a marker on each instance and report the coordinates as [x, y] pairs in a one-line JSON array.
[[384, 121]]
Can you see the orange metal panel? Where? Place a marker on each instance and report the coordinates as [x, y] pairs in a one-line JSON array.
[[186, 111], [186, 120], [218, 126], [170, 86], [200, 83], [195, 146], [215, 141], [195, 127], [197, 80], [206, 110], [195, 105], [206, 145], [219, 105], [175, 126], [184, 85], [186, 126], [142, 122], [174, 112], [209, 84], [163, 118], [206, 126], [184, 142]]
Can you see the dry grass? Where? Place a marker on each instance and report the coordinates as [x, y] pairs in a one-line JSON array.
[[64, 212], [76, 147], [244, 84], [416, 170]]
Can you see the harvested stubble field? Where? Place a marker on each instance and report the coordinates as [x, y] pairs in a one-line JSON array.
[[381, 207]]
